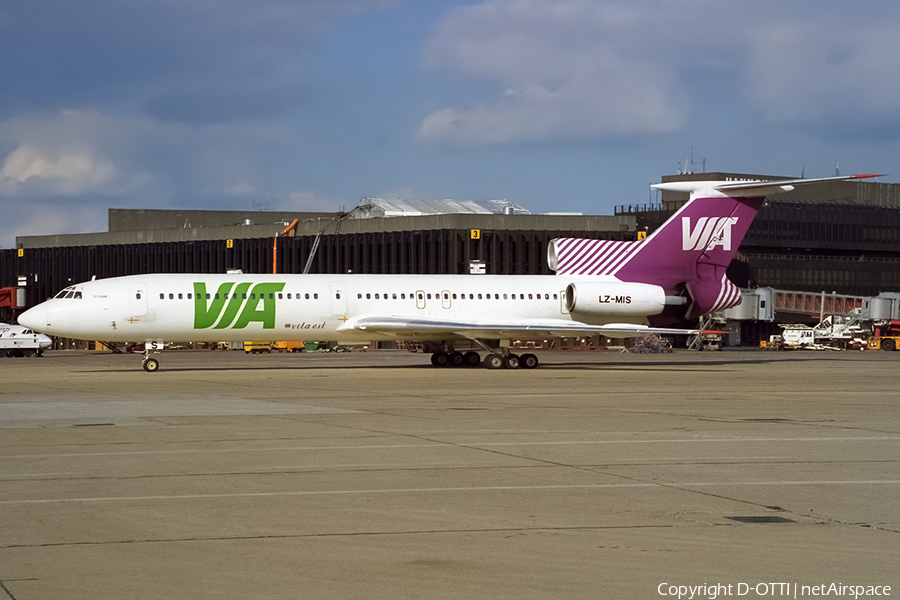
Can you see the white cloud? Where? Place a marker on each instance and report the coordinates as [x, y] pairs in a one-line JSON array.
[[71, 172], [592, 69], [60, 154], [812, 70], [563, 70], [138, 159]]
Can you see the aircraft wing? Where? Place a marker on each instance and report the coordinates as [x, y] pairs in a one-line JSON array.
[[471, 329]]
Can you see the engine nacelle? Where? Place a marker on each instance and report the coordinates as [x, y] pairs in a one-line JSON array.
[[615, 298]]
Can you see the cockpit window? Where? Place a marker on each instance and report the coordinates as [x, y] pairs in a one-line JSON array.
[[68, 292]]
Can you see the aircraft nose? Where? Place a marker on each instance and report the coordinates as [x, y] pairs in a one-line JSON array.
[[34, 318]]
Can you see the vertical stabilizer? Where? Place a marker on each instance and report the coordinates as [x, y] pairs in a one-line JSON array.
[[691, 250]]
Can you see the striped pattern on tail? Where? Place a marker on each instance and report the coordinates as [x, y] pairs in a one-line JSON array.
[[576, 256]]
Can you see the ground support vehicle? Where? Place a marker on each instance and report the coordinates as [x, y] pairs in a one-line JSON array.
[[888, 342], [256, 347], [292, 346], [886, 336]]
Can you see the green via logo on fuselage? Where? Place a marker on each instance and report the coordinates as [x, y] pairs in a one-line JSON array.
[[238, 307]]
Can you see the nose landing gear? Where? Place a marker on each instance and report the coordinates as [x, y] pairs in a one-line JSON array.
[[151, 365]]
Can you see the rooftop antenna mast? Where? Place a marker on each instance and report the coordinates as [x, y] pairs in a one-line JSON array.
[[688, 168]]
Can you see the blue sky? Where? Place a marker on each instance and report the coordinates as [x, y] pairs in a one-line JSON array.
[[556, 105]]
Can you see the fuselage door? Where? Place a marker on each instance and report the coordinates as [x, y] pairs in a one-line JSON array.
[[445, 299], [337, 299], [562, 303], [420, 299], [137, 303]]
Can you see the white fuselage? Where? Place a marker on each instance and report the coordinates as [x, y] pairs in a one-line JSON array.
[[197, 307]]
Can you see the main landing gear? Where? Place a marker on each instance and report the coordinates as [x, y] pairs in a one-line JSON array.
[[491, 361]]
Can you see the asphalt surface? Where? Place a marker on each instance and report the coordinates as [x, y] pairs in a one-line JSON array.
[[375, 475]]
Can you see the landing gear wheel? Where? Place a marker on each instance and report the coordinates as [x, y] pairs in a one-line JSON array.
[[151, 365], [528, 361], [493, 361], [440, 359], [511, 361], [457, 359], [471, 359]]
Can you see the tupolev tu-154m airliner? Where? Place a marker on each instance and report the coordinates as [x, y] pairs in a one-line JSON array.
[[615, 289]]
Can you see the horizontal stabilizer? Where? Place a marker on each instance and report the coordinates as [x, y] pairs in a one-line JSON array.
[[741, 189]]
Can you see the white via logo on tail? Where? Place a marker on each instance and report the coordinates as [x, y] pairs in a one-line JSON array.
[[707, 234]]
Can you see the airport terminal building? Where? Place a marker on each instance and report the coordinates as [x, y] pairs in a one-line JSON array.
[[841, 237]]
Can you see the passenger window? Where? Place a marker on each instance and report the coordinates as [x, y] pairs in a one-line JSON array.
[[289, 295], [471, 296], [307, 296], [337, 295], [181, 296], [315, 296], [428, 296], [403, 296], [530, 297], [189, 295], [376, 296], [359, 296], [555, 297], [137, 296], [171, 296], [272, 296], [162, 296], [279, 296], [394, 297], [207, 295], [454, 296], [479, 296], [368, 296]]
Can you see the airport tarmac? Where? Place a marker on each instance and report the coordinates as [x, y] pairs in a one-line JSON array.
[[374, 475]]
